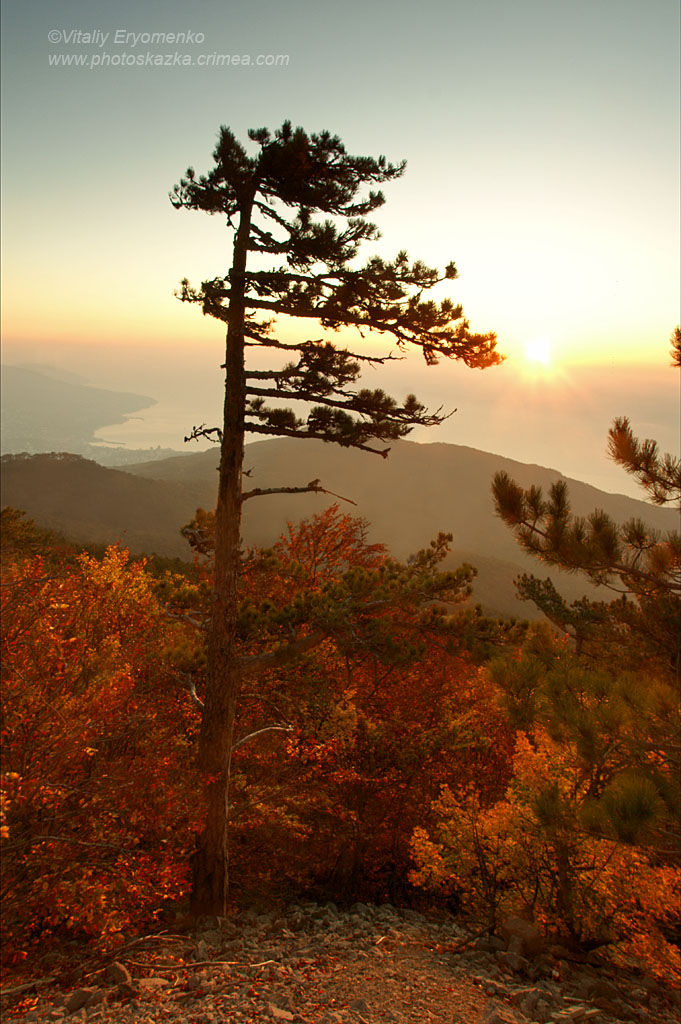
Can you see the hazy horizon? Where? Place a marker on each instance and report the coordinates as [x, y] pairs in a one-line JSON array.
[[557, 420]]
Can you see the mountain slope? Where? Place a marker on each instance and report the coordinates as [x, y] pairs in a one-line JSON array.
[[407, 499], [93, 504]]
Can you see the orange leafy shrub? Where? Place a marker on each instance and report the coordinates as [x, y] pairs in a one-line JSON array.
[[530, 852], [96, 754]]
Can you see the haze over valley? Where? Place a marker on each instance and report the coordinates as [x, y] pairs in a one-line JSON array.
[[407, 499]]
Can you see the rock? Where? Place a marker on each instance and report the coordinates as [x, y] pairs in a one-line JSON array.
[[628, 1012], [152, 984], [412, 915], [559, 952], [652, 986], [493, 988], [359, 1006], [496, 1013], [542, 1012], [528, 939], [480, 961], [127, 990], [279, 1014], [583, 987], [526, 999], [612, 1009], [515, 961], [360, 909], [81, 997], [117, 973]]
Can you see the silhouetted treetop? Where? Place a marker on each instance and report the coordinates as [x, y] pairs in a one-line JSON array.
[[313, 174], [309, 171]]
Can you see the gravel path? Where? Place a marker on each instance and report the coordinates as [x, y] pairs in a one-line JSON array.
[[369, 965]]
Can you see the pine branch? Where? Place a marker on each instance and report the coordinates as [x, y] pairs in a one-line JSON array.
[[370, 404], [256, 663], [301, 347], [596, 546], [659, 475], [313, 487], [256, 428]]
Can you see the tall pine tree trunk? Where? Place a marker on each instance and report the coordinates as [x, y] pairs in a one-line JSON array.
[[210, 878]]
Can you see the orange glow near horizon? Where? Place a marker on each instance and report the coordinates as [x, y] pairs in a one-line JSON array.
[[159, 320]]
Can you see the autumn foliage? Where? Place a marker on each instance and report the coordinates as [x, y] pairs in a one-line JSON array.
[[389, 761], [351, 742], [584, 840], [96, 754]]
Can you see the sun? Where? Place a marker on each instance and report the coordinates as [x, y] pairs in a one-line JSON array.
[[538, 351]]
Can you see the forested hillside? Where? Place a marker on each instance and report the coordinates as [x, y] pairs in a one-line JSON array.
[[407, 499]]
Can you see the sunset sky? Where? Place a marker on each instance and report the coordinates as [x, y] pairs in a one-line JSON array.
[[542, 143]]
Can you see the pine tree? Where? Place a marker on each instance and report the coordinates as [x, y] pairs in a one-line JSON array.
[[630, 558], [271, 201], [627, 651]]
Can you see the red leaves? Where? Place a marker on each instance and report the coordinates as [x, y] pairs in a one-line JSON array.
[[97, 787], [374, 736]]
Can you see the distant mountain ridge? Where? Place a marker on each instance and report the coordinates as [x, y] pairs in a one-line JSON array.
[[419, 490]]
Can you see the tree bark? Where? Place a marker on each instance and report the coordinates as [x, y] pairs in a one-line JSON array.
[[210, 875]]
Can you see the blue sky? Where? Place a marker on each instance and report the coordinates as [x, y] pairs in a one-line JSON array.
[[542, 142]]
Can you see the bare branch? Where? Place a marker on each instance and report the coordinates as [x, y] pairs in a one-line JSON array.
[[263, 700], [191, 686], [259, 732], [183, 617], [313, 487], [204, 431], [6, 993], [157, 968], [82, 842]]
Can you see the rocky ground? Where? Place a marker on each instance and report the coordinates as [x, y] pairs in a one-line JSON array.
[[365, 965]]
